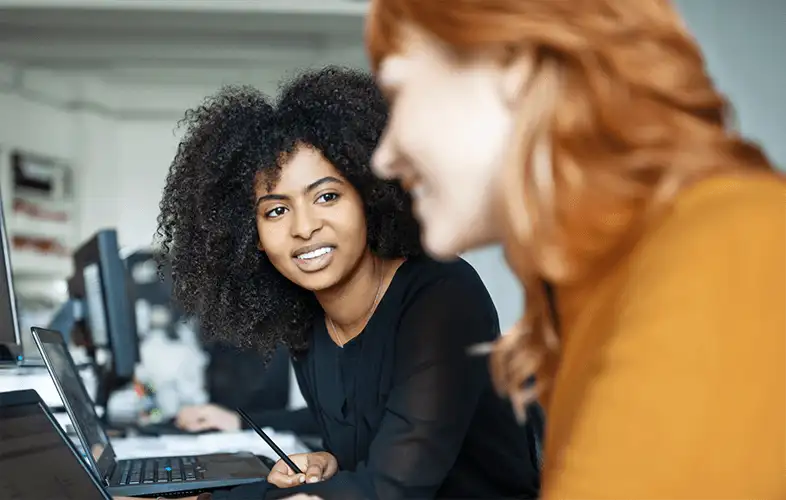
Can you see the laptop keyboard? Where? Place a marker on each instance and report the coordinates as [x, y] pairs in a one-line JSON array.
[[160, 470]]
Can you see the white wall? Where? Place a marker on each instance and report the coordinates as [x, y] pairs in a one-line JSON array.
[[745, 48], [29, 122]]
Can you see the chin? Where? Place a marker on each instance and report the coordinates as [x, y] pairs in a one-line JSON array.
[[441, 245], [448, 243], [317, 282]]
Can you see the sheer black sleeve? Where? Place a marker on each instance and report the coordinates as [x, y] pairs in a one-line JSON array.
[[436, 390]]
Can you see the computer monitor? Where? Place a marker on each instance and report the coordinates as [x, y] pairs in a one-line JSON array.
[[101, 282], [10, 338], [37, 459]]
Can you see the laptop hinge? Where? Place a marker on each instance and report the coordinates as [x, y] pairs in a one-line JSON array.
[[109, 473]]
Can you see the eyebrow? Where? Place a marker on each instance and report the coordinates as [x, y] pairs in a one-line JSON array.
[[282, 197]]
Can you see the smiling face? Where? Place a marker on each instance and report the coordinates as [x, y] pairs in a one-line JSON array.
[[311, 223], [450, 121]]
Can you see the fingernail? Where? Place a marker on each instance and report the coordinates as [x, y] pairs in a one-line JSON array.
[[302, 479], [313, 479]]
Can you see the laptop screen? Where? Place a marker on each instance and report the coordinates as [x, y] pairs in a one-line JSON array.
[[35, 462], [76, 400]]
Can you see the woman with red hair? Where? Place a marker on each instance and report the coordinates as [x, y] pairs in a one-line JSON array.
[[649, 236]]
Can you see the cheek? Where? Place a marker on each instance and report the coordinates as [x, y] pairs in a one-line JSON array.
[[352, 220], [272, 241], [455, 136]]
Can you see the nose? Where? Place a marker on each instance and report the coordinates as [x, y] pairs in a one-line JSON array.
[[305, 223], [383, 160]]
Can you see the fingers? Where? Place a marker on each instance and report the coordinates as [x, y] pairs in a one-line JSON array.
[[314, 472], [284, 477], [330, 468], [281, 480]]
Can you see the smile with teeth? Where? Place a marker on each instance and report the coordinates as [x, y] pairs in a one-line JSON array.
[[413, 185], [417, 191], [319, 252]]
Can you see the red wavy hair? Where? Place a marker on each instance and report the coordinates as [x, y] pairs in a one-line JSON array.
[[619, 117]]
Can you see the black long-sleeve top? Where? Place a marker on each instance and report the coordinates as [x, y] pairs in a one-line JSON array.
[[404, 409]]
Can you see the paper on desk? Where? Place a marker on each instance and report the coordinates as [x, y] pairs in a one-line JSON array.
[[202, 444]]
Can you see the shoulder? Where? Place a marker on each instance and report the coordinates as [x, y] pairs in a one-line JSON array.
[[713, 265], [436, 296], [717, 220], [424, 277], [725, 206]]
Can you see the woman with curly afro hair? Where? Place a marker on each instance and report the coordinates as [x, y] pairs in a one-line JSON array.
[[279, 234]]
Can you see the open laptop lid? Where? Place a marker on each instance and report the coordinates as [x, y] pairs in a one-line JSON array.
[[37, 460], [76, 400]]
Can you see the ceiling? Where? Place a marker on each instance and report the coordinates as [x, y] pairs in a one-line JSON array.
[[352, 7], [173, 41]]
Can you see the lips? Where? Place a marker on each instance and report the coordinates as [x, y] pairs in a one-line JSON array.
[[319, 252], [310, 251], [313, 258]]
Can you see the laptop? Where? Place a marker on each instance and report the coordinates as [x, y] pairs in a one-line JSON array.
[[155, 476], [37, 460]]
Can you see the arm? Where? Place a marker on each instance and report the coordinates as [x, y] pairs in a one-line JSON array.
[[687, 394]]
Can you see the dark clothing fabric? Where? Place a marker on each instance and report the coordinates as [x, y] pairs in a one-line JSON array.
[[404, 409], [238, 378]]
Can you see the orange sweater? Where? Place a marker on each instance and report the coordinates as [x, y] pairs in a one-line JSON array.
[[672, 375]]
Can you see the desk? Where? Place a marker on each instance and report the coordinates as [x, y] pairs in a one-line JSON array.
[[36, 378], [201, 444]]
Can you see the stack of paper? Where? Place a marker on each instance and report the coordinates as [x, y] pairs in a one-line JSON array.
[[202, 444]]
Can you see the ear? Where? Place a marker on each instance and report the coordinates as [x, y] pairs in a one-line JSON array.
[[259, 246], [516, 75]]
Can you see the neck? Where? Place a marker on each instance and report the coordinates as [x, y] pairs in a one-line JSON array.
[[348, 303]]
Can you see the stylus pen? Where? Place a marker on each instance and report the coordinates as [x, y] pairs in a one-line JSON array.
[[269, 441]]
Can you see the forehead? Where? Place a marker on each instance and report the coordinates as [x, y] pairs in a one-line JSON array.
[[299, 168], [417, 50]]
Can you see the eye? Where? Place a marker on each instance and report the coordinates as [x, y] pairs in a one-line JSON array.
[[327, 197], [275, 213]]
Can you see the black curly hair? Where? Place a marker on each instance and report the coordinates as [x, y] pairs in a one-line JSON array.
[[207, 225]]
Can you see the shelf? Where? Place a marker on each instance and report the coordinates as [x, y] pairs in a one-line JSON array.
[[22, 224], [26, 263]]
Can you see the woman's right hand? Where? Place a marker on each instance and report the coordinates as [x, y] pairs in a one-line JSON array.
[[316, 466]]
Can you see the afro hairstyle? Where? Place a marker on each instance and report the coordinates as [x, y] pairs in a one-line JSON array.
[[207, 225]]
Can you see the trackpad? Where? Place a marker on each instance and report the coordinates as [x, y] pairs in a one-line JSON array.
[[233, 465]]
